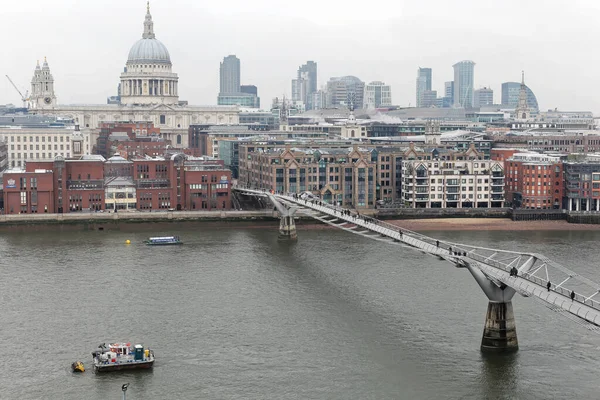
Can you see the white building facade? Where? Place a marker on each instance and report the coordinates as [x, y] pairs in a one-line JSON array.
[[453, 184], [377, 94], [43, 144]]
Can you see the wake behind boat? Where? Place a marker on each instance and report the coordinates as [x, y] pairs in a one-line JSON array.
[[120, 356], [163, 241]]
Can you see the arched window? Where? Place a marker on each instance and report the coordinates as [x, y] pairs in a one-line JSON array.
[[178, 139]]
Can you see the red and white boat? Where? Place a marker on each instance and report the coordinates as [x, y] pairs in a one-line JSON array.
[[121, 356]]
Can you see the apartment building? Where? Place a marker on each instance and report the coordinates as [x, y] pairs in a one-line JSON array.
[[344, 176], [453, 184]]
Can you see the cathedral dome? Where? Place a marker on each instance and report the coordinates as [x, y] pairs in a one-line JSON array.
[[149, 50]]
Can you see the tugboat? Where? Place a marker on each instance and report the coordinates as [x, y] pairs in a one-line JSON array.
[[77, 366], [120, 356], [163, 241]]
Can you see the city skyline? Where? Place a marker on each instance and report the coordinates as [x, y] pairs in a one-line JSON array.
[[101, 52]]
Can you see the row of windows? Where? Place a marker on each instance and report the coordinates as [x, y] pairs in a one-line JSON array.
[[39, 155], [37, 147], [37, 138]]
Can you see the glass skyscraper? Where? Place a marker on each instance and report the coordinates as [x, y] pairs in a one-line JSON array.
[[423, 84], [230, 75], [510, 96], [464, 72]]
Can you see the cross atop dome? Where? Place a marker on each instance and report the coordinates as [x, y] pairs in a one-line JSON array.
[[148, 24]]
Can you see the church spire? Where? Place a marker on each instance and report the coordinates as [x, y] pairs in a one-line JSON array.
[[148, 24], [523, 78]]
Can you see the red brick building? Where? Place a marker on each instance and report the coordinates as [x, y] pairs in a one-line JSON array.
[[92, 183], [534, 181]]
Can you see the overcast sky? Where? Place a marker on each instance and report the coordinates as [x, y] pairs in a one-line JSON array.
[[87, 43]]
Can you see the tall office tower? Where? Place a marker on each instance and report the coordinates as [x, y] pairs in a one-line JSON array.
[[230, 75], [449, 89], [305, 84], [464, 72], [423, 84], [483, 97], [377, 94]]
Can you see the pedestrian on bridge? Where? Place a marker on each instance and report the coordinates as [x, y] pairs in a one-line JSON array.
[[572, 295], [548, 285], [437, 243], [450, 250]]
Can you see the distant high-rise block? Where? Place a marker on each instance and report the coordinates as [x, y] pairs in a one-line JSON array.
[[429, 98], [347, 91], [423, 84], [483, 97], [464, 72], [305, 84], [377, 94], [449, 90], [230, 75]]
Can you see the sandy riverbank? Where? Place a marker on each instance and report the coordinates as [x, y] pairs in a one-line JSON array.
[[489, 224]]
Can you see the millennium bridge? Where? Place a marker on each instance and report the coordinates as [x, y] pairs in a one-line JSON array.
[[499, 273]]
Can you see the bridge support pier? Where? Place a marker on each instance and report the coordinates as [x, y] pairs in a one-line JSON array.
[[287, 228], [500, 329]]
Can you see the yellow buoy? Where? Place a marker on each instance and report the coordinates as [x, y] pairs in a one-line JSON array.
[[128, 241]]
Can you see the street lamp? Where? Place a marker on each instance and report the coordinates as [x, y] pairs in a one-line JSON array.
[[124, 389]]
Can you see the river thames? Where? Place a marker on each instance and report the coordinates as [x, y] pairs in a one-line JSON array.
[[234, 314]]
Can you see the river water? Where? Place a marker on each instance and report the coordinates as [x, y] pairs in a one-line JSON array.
[[234, 314]]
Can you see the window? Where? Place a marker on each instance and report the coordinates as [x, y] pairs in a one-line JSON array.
[[163, 119], [23, 197]]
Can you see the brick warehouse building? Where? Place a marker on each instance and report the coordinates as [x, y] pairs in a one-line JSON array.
[[534, 181], [91, 183]]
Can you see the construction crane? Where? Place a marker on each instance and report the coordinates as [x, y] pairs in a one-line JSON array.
[[25, 98]]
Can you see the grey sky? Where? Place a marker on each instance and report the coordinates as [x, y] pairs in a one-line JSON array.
[[87, 42]]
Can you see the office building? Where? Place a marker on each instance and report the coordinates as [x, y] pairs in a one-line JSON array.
[[464, 72], [423, 84], [429, 98], [305, 84], [346, 92], [377, 94], [483, 97], [92, 183], [229, 73]]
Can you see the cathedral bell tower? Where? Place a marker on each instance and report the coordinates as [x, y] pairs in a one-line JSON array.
[[42, 88], [522, 111]]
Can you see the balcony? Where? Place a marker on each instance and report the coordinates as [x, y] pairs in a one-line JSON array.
[[421, 197], [498, 189], [422, 182], [85, 184], [496, 197], [451, 197], [498, 182]]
